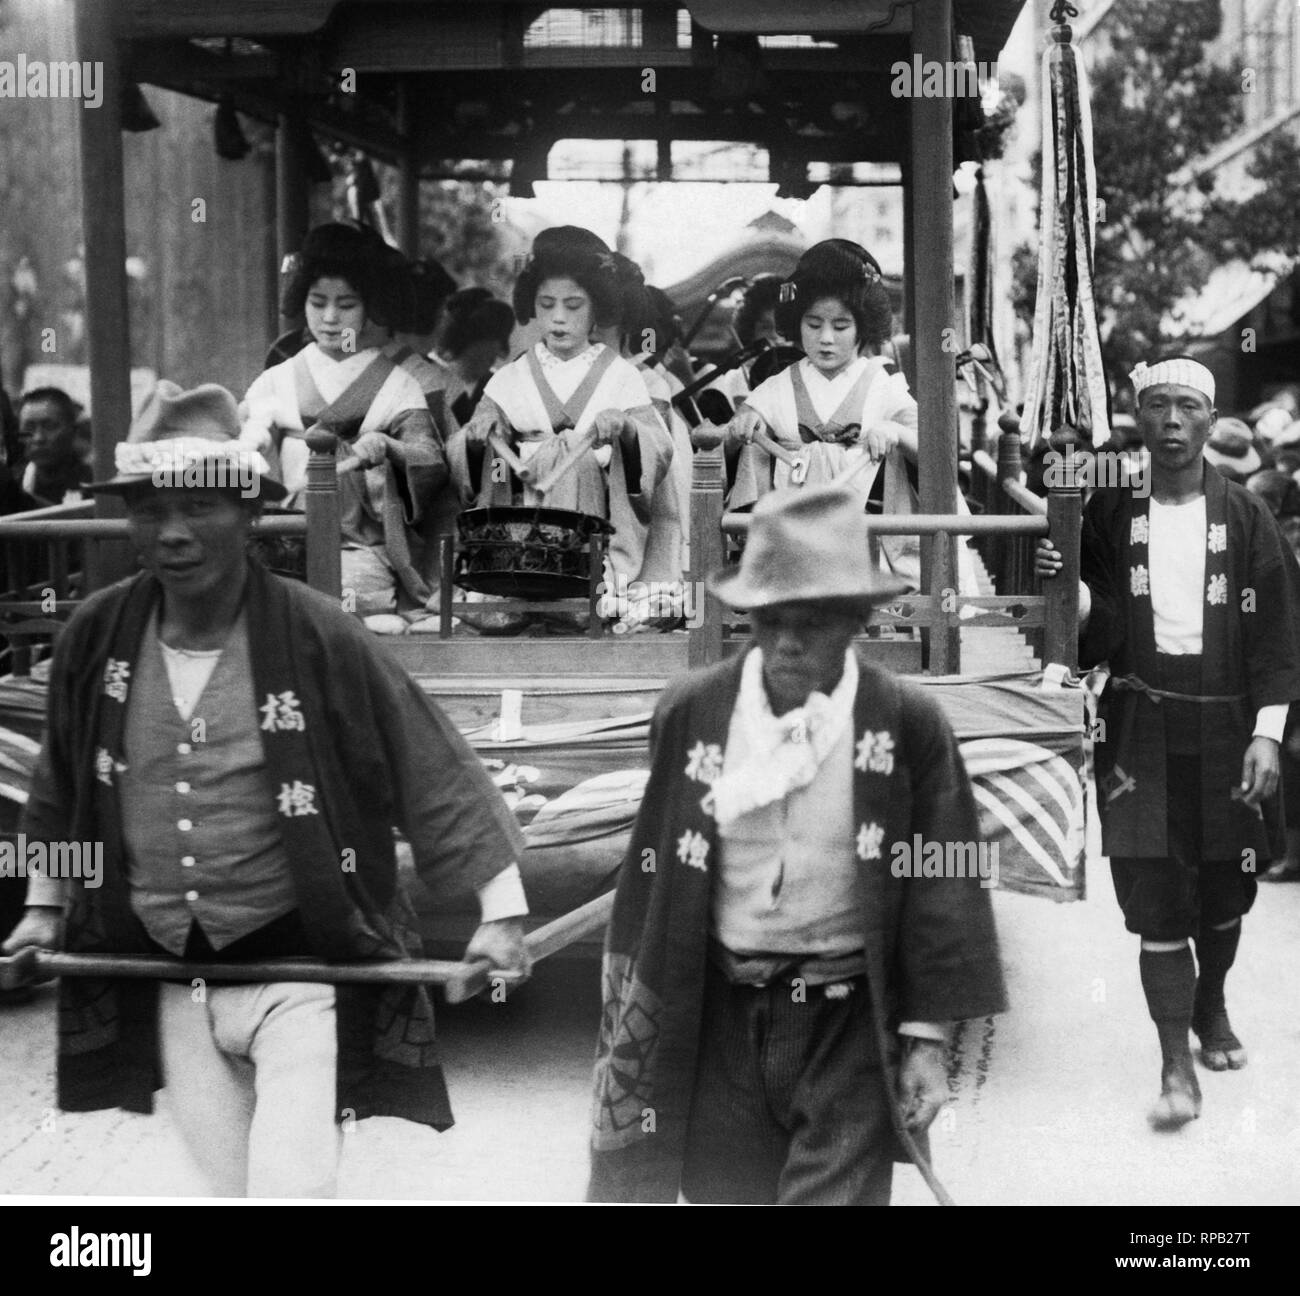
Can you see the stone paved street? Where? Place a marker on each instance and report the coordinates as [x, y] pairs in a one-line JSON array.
[[1059, 1118]]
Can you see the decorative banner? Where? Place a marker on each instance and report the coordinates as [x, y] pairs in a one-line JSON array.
[[1067, 386]]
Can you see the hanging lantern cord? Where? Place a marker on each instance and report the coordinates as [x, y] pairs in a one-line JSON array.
[[1062, 10]]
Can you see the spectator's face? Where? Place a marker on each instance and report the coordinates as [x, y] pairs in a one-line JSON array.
[[803, 648], [829, 335], [45, 434], [1175, 422], [193, 540], [564, 310], [336, 316], [765, 327]]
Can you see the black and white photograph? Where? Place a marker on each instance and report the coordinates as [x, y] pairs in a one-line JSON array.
[[692, 602]]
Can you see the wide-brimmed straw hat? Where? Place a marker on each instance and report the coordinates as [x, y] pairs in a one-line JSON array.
[[806, 545], [189, 439], [1232, 447]]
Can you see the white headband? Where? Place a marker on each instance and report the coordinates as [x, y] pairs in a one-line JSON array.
[[1183, 372]]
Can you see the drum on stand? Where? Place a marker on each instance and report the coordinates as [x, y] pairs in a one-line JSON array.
[[527, 553]]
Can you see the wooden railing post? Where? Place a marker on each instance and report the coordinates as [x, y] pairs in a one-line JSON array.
[[1064, 515], [708, 479], [324, 517], [980, 486], [1008, 575]]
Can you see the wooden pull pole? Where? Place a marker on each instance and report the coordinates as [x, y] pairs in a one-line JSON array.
[[324, 516], [1061, 593], [461, 981]]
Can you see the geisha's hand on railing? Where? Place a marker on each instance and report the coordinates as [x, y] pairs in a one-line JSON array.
[[369, 450], [257, 436], [743, 428]]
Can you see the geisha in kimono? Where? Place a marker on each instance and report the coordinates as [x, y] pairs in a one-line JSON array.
[[347, 382], [649, 326], [842, 406], [567, 391]]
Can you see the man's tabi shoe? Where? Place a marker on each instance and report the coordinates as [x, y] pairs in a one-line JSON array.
[[1179, 1102], [1221, 1050]]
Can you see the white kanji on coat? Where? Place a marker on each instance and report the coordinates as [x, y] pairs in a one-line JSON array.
[[875, 752], [1218, 537], [282, 711], [117, 676], [298, 799], [704, 762], [869, 838], [1139, 580], [104, 766], [692, 849], [1140, 531], [1217, 589]]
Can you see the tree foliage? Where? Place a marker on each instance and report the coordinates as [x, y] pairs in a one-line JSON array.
[[1159, 107]]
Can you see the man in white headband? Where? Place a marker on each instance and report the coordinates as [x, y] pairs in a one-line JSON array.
[[241, 753], [1192, 598]]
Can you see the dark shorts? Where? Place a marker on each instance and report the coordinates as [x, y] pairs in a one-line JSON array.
[[790, 1102], [1170, 899]]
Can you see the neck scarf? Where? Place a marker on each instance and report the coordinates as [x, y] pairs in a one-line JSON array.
[[782, 753]]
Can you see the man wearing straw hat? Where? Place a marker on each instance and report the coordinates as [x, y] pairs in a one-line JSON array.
[[1191, 595], [240, 753], [778, 975]]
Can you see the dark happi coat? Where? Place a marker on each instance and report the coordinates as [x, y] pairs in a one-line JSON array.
[[930, 942], [1250, 658], [352, 748]]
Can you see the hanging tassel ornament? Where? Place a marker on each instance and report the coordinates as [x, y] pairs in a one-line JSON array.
[[1067, 386]]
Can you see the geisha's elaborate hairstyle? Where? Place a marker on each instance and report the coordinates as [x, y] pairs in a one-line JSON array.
[[846, 271], [570, 252], [474, 315], [378, 273]]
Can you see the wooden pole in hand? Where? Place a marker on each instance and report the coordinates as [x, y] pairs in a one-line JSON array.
[[324, 516], [1064, 517]]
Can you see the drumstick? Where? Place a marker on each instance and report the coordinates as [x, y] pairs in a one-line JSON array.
[[580, 448], [798, 464], [503, 451]]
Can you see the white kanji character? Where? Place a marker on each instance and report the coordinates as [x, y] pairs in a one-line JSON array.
[[103, 766], [1139, 580], [875, 752], [117, 675], [692, 849], [1218, 537], [869, 838], [704, 762], [282, 712], [1217, 590], [300, 799], [1140, 531]]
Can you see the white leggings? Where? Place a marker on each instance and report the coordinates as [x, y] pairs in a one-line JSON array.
[[250, 1076]]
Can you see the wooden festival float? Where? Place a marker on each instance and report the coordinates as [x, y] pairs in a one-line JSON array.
[[562, 722]]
